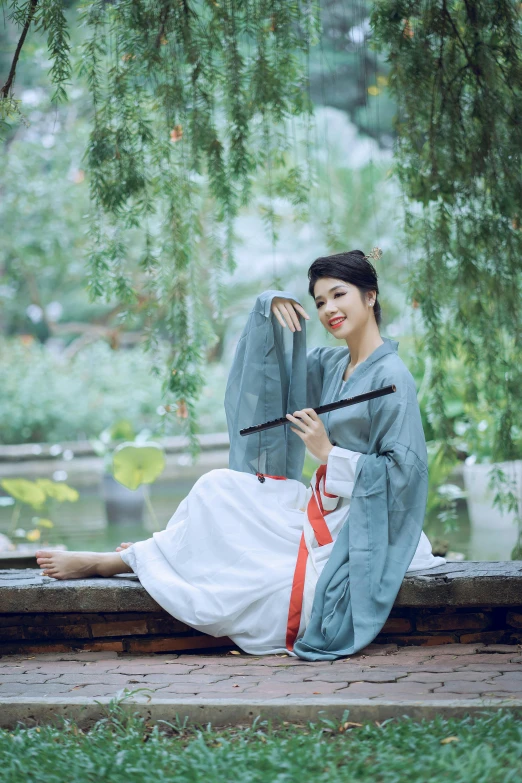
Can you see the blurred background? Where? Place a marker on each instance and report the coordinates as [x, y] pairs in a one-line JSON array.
[[77, 380]]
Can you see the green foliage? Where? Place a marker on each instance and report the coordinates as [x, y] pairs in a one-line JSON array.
[[442, 495], [36, 493], [124, 748], [43, 199], [58, 490], [185, 112], [455, 71], [39, 495], [44, 397], [24, 491], [309, 467], [189, 102]]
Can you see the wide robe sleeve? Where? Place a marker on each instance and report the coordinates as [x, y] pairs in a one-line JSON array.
[[267, 380], [359, 583], [341, 469]]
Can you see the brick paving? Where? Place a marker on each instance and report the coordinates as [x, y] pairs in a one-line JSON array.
[[380, 672]]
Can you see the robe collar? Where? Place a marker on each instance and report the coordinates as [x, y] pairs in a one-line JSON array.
[[388, 346]]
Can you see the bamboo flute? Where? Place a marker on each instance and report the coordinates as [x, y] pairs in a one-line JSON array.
[[331, 406]]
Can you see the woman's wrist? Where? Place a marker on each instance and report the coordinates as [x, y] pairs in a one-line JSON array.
[[326, 454]]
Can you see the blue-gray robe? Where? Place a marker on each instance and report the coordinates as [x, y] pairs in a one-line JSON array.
[[273, 374]]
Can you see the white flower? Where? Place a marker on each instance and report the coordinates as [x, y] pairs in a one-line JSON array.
[[34, 313], [54, 311], [461, 427], [451, 491]]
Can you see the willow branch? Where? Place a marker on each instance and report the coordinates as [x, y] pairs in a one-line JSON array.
[[163, 26], [7, 86], [473, 65], [475, 68]]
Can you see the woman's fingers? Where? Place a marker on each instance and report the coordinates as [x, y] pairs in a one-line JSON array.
[[296, 420], [295, 315], [283, 316], [307, 415], [287, 313], [278, 316], [294, 318], [301, 310]]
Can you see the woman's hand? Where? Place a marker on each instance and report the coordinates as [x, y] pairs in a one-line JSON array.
[[285, 310], [312, 432]]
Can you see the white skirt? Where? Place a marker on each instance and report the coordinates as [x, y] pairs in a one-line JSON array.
[[225, 563]]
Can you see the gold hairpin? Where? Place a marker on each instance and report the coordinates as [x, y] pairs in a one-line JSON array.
[[375, 254]]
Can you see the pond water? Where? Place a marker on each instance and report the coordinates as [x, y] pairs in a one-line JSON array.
[[472, 543], [83, 525]]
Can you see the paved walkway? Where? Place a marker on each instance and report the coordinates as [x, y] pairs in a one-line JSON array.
[[458, 675]]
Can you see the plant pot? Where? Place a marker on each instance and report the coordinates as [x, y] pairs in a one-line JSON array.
[[493, 532], [122, 505]]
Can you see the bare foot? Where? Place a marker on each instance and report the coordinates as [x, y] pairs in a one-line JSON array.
[[76, 565], [123, 545]]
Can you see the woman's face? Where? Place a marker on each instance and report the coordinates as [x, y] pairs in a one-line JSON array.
[[340, 307]]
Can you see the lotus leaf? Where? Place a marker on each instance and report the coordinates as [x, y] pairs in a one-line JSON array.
[[138, 463], [58, 490], [122, 429], [33, 535], [25, 491], [47, 523]]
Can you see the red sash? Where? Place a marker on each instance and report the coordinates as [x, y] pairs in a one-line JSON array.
[[316, 515]]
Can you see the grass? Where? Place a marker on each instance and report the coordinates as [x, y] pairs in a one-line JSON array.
[[125, 749]]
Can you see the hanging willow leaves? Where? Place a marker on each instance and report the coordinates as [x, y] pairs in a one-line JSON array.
[[190, 100], [456, 73]]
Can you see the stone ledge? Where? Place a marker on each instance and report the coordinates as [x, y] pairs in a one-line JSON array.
[[457, 603], [83, 448], [469, 584], [25, 590]]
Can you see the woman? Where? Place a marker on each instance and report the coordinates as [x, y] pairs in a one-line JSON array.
[[253, 554]]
